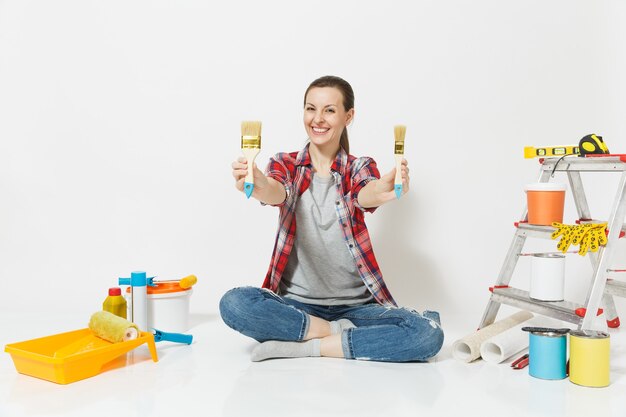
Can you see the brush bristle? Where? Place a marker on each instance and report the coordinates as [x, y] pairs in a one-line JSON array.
[[251, 128], [250, 135], [399, 132]]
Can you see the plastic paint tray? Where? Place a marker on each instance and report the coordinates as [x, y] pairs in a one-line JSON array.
[[69, 357]]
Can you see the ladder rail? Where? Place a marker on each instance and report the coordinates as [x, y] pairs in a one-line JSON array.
[[582, 207], [510, 261], [605, 254], [578, 193], [504, 277]]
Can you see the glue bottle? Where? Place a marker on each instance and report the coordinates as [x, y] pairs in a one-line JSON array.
[[115, 303]]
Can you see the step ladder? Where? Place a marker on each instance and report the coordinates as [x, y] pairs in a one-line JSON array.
[[601, 289]]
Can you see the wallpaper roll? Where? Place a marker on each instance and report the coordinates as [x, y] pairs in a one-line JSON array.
[[467, 349], [506, 344]]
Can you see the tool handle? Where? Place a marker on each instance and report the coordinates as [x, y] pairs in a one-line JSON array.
[[250, 154], [523, 363], [160, 336], [398, 179]]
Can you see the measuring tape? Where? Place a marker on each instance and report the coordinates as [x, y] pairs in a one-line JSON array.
[[590, 144], [593, 144]]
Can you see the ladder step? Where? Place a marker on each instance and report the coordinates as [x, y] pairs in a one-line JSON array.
[[532, 230], [562, 310], [615, 287], [577, 164], [545, 232]]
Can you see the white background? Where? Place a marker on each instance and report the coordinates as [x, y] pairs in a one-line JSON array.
[[119, 121]]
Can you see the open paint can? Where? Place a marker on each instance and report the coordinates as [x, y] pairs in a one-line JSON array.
[[547, 355], [547, 277], [589, 359], [168, 306]]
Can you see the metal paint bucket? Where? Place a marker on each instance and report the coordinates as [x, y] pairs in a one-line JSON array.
[[547, 277], [589, 358], [547, 355]]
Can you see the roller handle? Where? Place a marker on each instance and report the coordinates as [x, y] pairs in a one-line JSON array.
[[160, 336]]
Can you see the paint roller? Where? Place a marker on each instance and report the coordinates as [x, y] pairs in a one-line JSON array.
[[116, 329], [113, 328]]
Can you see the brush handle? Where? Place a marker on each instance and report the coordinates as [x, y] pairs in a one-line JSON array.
[[398, 180], [250, 154]]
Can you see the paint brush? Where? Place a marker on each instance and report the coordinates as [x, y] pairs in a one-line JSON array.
[[250, 146], [399, 132]]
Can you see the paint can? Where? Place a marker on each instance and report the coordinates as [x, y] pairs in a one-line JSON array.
[[547, 355], [546, 201], [168, 306], [589, 360], [547, 278]]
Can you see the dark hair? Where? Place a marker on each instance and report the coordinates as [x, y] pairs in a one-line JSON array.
[[348, 100]]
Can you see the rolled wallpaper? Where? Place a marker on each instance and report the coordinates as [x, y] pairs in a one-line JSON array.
[[506, 344], [467, 349]]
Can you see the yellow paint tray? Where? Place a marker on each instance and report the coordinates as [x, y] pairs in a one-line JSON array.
[[69, 357]]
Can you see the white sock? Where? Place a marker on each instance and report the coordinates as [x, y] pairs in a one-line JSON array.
[[277, 349], [338, 326]]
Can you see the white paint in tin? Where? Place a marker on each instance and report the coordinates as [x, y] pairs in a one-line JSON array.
[[547, 277]]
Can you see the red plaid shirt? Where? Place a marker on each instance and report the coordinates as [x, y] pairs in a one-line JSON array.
[[350, 174]]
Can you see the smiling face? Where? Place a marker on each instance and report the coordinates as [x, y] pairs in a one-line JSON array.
[[325, 116]]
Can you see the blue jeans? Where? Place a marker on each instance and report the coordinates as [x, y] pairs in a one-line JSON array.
[[387, 334]]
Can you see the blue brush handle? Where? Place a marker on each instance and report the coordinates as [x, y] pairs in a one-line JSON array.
[[248, 187], [160, 336], [398, 190]]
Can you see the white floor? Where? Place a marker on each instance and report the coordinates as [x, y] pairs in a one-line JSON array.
[[214, 377]]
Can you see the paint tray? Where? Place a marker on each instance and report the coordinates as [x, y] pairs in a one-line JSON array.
[[69, 357]]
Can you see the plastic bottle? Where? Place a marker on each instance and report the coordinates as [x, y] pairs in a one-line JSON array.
[[115, 303]]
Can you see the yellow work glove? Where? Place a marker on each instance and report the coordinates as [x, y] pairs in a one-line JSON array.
[[593, 238], [590, 236], [566, 231]]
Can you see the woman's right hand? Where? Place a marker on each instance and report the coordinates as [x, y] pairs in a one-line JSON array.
[[240, 170]]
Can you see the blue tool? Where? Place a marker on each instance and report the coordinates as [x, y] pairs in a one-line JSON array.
[[160, 336]]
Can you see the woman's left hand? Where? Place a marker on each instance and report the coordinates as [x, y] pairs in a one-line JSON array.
[[385, 187], [382, 191]]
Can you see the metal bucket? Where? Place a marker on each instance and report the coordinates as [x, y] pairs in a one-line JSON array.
[[547, 279], [589, 358], [547, 355]]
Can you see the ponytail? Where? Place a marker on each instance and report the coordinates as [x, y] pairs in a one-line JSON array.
[[343, 141]]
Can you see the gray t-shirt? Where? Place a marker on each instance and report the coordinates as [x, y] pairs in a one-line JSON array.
[[320, 269]]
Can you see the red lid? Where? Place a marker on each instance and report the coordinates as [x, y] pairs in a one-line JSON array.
[[115, 291]]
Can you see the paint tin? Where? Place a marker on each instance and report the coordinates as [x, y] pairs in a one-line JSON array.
[[168, 306], [546, 201], [547, 355], [547, 278], [589, 359]]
